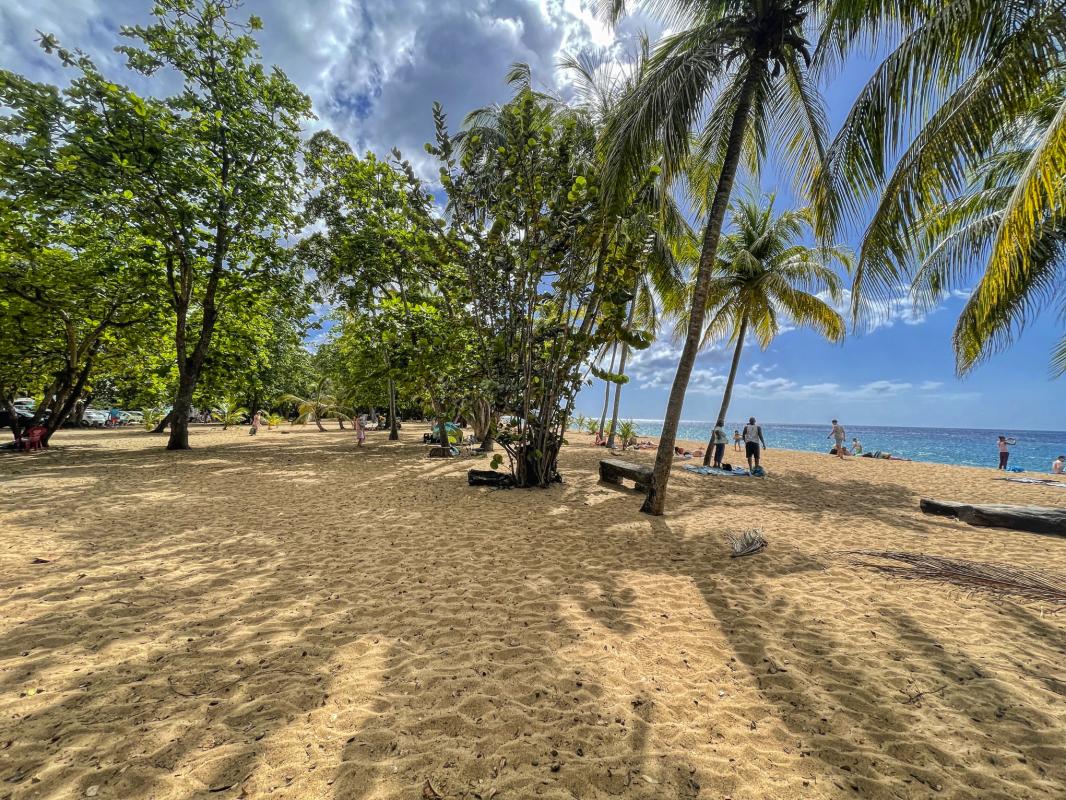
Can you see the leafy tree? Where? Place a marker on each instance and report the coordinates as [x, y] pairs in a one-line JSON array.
[[75, 288], [764, 274], [752, 56], [959, 138], [210, 173], [549, 267]]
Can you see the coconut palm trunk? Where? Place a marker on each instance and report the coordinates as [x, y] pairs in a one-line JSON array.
[[656, 499], [621, 371], [728, 395], [607, 393]]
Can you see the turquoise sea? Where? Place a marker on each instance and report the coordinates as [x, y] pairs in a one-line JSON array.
[[969, 447]]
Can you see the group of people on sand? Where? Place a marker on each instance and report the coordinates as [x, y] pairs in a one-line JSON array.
[[839, 449], [1004, 443]]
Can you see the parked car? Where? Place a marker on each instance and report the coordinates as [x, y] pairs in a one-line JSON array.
[[133, 417], [94, 418], [24, 415]]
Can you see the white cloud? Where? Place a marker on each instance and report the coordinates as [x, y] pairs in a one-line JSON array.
[[372, 68]]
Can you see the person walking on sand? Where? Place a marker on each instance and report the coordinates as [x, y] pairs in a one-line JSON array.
[[257, 421], [838, 436], [360, 429], [1004, 450], [736, 441], [1058, 465], [719, 440], [753, 441]]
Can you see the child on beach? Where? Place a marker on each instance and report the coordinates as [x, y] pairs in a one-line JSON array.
[[736, 441], [257, 420], [856, 446], [1058, 465], [360, 429]]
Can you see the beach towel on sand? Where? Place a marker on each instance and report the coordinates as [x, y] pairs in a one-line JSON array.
[[715, 471], [1041, 481]]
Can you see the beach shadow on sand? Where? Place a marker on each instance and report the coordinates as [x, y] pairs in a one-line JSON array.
[[335, 642]]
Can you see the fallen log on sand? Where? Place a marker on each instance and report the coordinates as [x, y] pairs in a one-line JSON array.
[[1035, 519]]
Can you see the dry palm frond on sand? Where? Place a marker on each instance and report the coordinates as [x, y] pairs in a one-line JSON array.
[[996, 579], [746, 543]]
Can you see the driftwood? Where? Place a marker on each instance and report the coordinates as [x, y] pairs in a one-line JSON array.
[[1035, 519], [612, 470]]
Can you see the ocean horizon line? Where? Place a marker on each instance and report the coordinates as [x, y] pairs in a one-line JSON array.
[[660, 421]]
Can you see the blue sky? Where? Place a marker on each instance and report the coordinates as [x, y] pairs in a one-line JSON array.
[[373, 69]]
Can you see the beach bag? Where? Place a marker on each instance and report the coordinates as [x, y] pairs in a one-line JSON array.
[[759, 472], [727, 467]]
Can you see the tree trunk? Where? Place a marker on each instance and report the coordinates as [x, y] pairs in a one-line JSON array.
[[621, 371], [179, 415], [162, 426], [318, 422], [656, 499], [728, 387], [394, 429], [607, 392]]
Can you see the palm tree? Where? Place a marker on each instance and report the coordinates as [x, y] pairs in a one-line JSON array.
[[319, 406], [763, 274], [975, 176], [755, 54], [228, 414], [601, 80]]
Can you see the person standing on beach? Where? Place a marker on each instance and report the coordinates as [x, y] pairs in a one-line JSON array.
[[753, 441], [1058, 465], [360, 429], [257, 420], [1004, 450], [838, 436], [736, 441], [719, 440]]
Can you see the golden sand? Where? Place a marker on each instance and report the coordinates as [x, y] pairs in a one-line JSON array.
[[293, 617]]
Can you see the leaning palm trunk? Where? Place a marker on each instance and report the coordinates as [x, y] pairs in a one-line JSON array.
[[607, 393], [656, 499], [728, 388]]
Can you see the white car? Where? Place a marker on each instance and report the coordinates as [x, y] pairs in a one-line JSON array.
[[94, 417]]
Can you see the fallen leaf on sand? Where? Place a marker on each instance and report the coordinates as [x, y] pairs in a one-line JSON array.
[[429, 793], [40, 561]]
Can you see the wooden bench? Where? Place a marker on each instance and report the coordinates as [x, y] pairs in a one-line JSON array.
[[612, 471]]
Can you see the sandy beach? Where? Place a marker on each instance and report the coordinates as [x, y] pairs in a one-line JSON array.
[[290, 616]]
